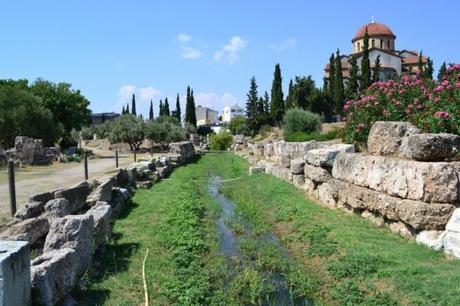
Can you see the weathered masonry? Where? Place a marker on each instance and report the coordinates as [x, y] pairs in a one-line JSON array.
[[65, 228], [406, 181]]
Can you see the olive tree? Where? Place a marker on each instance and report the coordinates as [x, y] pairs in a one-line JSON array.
[[129, 129]]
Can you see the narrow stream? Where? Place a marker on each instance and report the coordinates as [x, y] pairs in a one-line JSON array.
[[230, 248]]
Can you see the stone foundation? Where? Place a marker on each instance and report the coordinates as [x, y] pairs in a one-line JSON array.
[[406, 182]]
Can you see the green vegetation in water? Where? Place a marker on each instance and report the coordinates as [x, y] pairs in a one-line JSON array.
[[335, 257]]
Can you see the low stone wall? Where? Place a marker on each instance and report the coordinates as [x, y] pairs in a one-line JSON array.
[[66, 227], [407, 182]]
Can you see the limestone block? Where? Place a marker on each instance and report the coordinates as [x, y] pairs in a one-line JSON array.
[[58, 208], [102, 193], [14, 273], [316, 174], [298, 180], [74, 232], [42, 197], [53, 275], [30, 210], [424, 181], [144, 184], [285, 160], [387, 137], [325, 157], [102, 216], [76, 195], [327, 194], [377, 219], [431, 239], [433, 147], [132, 175], [30, 230], [297, 166], [401, 229]]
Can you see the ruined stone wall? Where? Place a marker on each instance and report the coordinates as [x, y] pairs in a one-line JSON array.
[[66, 227], [408, 180]]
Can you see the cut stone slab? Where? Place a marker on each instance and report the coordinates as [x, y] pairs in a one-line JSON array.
[[58, 208], [42, 197], [298, 180], [433, 147], [297, 166], [325, 157], [14, 273], [431, 239], [102, 193], [102, 216], [30, 230], [76, 195], [30, 210], [387, 137], [316, 174]]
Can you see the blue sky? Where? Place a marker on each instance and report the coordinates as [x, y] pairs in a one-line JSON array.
[[109, 49]]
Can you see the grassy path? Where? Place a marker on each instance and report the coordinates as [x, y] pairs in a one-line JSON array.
[[335, 257]]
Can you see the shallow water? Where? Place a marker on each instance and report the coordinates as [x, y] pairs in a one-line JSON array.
[[229, 246]]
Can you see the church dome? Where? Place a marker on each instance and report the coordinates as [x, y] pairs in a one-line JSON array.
[[373, 29]]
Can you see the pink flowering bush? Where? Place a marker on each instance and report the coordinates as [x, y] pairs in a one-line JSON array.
[[433, 107]]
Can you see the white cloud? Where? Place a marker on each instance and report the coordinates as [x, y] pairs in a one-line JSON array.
[[143, 97], [182, 37], [191, 53], [231, 51], [285, 44], [216, 101]]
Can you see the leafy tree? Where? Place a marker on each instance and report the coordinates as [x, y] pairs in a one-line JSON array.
[[166, 111], [18, 84], [339, 91], [68, 106], [442, 72], [221, 141], [290, 96], [298, 120], [151, 110], [251, 105], [331, 78], [365, 80], [376, 70], [23, 114], [164, 129], [178, 112], [129, 129], [204, 130], [352, 84], [303, 92], [277, 103], [428, 72], [260, 107], [133, 105], [238, 126], [190, 115]]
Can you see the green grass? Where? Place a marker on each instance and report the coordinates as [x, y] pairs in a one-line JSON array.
[[302, 136], [338, 258]]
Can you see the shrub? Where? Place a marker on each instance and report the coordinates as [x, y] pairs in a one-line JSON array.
[[302, 136], [165, 130], [432, 106], [298, 120], [238, 125], [221, 141], [204, 130]]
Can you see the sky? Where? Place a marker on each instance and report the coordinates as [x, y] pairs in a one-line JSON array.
[[155, 49]]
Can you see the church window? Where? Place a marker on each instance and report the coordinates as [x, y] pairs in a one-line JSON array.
[[381, 43], [373, 43], [359, 47]]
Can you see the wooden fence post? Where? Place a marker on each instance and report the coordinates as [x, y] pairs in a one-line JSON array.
[[86, 166], [12, 185], [116, 158]]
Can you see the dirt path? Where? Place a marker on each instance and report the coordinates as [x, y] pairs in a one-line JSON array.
[[41, 179]]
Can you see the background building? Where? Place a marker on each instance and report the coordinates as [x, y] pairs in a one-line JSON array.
[[205, 116], [99, 118], [381, 43], [232, 111]]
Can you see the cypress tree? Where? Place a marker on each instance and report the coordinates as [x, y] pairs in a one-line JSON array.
[[331, 78], [190, 115], [420, 64], [161, 108], [352, 84], [376, 70], [290, 96], [151, 110], [166, 108], [339, 91], [277, 103], [365, 81], [251, 103], [133, 105], [266, 104], [442, 72], [123, 110], [428, 72], [177, 113], [127, 108]]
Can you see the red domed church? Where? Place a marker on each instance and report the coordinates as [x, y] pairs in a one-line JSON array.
[[381, 43]]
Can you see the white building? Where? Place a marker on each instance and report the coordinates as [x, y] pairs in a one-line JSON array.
[[231, 112], [205, 116]]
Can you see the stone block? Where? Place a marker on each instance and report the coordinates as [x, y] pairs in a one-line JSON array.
[[297, 166], [30, 210], [14, 273], [387, 137], [76, 195], [42, 197], [316, 174], [325, 157], [30, 230], [144, 184], [103, 192], [435, 182], [431, 239], [102, 216], [298, 180], [433, 147], [58, 208], [327, 194]]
